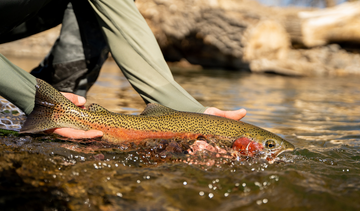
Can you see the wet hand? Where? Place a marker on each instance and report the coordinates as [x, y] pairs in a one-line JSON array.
[[235, 115], [73, 133]]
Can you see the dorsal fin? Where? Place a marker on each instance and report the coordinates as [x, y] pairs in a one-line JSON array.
[[154, 109], [97, 108]]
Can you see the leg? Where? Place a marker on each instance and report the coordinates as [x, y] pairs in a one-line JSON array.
[[138, 55], [75, 60]]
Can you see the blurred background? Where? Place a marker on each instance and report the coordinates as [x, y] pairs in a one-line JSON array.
[[287, 37]]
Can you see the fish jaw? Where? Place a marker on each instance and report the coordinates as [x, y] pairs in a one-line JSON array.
[[285, 146]]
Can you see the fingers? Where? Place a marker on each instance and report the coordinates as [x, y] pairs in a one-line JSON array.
[[76, 134], [73, 133], [76, 99], [235, 115]]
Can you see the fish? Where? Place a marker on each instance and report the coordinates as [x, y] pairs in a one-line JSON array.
[[53, 110]]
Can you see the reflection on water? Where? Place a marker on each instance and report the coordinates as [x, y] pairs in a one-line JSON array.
[[320, 116]]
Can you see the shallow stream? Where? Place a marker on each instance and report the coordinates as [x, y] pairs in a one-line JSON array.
[[320, 116]]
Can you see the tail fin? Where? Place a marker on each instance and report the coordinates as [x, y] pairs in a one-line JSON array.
[[48, 109]]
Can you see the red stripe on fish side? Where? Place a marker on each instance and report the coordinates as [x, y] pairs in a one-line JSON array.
[[124, 135]]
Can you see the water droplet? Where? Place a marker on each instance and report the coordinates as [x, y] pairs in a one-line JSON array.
[[210, 186], [138, 181], [265, 201], [211, 195], [201, 193], [184, 183]]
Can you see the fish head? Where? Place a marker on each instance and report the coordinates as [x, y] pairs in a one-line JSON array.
[[262, 143]]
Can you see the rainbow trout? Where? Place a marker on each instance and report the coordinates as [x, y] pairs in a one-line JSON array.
[[53, 110]]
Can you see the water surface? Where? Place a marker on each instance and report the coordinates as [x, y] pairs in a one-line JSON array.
[[320, 116]]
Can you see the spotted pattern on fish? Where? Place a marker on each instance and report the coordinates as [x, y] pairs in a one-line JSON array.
[[53, 110]]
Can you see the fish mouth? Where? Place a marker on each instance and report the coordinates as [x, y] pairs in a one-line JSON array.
[[273, 154]]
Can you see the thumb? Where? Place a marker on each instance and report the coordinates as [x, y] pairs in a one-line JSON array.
[[76, 99]]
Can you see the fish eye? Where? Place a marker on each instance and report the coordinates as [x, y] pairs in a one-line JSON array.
[[270, 144]]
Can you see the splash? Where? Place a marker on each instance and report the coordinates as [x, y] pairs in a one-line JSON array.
[[11, 117]]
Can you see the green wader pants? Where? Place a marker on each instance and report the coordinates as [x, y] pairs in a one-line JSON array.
[[132, 45]]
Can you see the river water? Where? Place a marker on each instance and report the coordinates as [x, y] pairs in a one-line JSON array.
[[320, 116]]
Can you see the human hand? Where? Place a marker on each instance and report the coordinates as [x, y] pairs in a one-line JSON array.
[[73, 133], [235, 115]]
